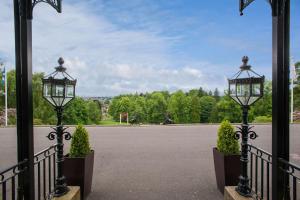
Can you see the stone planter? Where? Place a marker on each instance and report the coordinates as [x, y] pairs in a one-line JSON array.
[[227, 169], [79, 172]]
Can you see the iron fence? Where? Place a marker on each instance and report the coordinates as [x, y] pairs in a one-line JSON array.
[[291, 178], [9, 179], [45, 173], [260, 168]]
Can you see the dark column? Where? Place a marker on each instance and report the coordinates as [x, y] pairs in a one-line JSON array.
[[25, 139], [60, 182], [243, 185], [280, 123], [18, 92]]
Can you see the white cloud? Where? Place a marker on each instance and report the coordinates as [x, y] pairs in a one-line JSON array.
[[106, 58]]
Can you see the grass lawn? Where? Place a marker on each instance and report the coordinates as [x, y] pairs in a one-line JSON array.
[[111, 123]]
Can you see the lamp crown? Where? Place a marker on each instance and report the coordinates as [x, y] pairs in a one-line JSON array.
[[61, 61], [245, 65], [60, 68]]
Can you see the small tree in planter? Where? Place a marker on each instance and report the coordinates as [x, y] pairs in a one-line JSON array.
[[226, 157], [79, 163]]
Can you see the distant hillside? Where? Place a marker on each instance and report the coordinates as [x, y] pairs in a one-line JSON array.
[[101, 99]]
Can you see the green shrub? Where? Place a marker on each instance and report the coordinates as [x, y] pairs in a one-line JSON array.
[[12, 120], [227, 143], [80, 145], [37, 122], [262, 119]]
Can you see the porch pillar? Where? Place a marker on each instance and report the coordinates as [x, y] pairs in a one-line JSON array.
[[23, 56], [280, 84]]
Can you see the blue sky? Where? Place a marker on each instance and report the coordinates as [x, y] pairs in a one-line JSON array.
[[121, 46]]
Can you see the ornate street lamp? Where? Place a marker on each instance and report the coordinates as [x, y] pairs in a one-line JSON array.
[[246, 87], [59, 90]]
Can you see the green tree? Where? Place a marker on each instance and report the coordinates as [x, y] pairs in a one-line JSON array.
[[139, 109], [156, 108], [195, 110], [193, 92], [121, 104], [43, 111], [179, 107], [76, 112], [207, 104], [94, 112], [297, 88], [11, 89], [202, 92], [263, 107], [227, 109], [217, 94]]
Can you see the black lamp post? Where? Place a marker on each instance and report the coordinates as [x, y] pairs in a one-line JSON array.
[[246, 87], [59, 90]]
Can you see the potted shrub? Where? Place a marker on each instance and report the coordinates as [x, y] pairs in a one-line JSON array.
[[226, 157], [79, 163]]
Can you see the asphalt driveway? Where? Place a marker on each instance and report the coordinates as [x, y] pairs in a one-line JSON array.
[[150, 162]]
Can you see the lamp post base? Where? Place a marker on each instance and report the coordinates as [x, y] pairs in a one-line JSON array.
[[231, 194], [61, 190], [244, 190]]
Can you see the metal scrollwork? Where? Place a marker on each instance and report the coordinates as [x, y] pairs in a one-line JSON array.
[[51, 135], [56, 4], [67, 135], [244, 4], [277, 9], [252, 134], [238, 133]]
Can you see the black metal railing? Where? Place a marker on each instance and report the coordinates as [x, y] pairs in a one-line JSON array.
[[260, 172], [260, 168], [291, 178], [9, 179], [45, 173]]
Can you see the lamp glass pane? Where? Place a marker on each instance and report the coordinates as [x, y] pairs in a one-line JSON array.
[[256, 89], [252, 100], [50, 100], [243, 93], [66, 101], [70, 91], [243, 90], [235, 99], [58, 91], [47, 90], [232, 91], [58, 100]]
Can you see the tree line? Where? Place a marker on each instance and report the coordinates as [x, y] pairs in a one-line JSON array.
[[194, 106]]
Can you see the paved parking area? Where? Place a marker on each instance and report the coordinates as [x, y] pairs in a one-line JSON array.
[[150, 162]]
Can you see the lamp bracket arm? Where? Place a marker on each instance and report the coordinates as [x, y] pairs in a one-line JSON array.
[[56, 4], [278, 7], [244, 4]]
